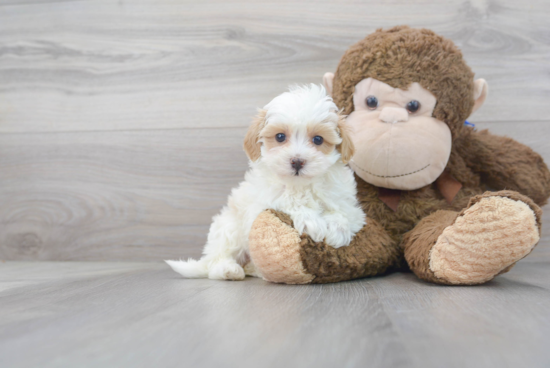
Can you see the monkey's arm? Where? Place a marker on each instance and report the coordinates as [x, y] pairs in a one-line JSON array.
[[504, 163]]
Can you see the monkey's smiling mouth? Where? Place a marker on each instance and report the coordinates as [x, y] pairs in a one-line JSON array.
[[388, 176]]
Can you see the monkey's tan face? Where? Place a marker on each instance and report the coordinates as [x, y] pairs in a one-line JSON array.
[[398, 144]]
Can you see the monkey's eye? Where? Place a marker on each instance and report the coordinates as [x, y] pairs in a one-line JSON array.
[[372, 102], [280, 137], [317, 140], [413, 106]]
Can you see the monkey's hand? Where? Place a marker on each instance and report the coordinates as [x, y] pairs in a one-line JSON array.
[[504, 163]]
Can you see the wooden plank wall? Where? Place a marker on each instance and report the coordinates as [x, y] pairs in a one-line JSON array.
[[121, 121]]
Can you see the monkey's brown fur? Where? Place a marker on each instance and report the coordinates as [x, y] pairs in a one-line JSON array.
[[479, 161], [401, 56]]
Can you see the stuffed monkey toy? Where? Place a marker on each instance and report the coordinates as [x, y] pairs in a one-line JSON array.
[[422, 174]]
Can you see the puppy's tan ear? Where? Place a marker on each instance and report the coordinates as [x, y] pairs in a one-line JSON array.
[[346, 148], [328, 78], [251, 145]]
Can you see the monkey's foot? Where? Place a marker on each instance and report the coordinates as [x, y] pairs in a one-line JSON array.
[[275, 249], [282, 255], [486, 239]]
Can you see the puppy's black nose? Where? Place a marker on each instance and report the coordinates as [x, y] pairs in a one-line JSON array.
[[297, 164]]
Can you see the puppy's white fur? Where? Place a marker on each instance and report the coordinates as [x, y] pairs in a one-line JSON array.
[[320, 197]]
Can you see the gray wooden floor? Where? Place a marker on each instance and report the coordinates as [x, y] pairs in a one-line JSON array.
[[144, 315]]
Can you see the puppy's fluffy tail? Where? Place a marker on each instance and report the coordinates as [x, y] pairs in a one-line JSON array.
[[190, 269]]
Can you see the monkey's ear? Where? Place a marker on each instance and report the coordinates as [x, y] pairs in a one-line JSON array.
[[346, 148], [327, 81], [251, 145], [480, 93]]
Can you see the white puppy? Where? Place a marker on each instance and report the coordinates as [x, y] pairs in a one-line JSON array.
[[298, 146]]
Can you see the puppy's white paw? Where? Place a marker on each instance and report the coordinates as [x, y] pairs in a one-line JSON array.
[[313, 225], [299, 223], [250, 270], [317, 230], [226, 270], [339, 233]]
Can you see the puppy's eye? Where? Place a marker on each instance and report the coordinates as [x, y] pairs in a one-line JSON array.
[[280, 137], [318, 140], [413, 106], [372, 102]]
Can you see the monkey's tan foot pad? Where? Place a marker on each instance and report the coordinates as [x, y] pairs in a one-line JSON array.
[[275, 249], [487, 238]]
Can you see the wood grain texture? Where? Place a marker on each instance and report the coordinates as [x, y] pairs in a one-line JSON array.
[[115, 195], [144, 315], [121, 122], [108, 65]]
